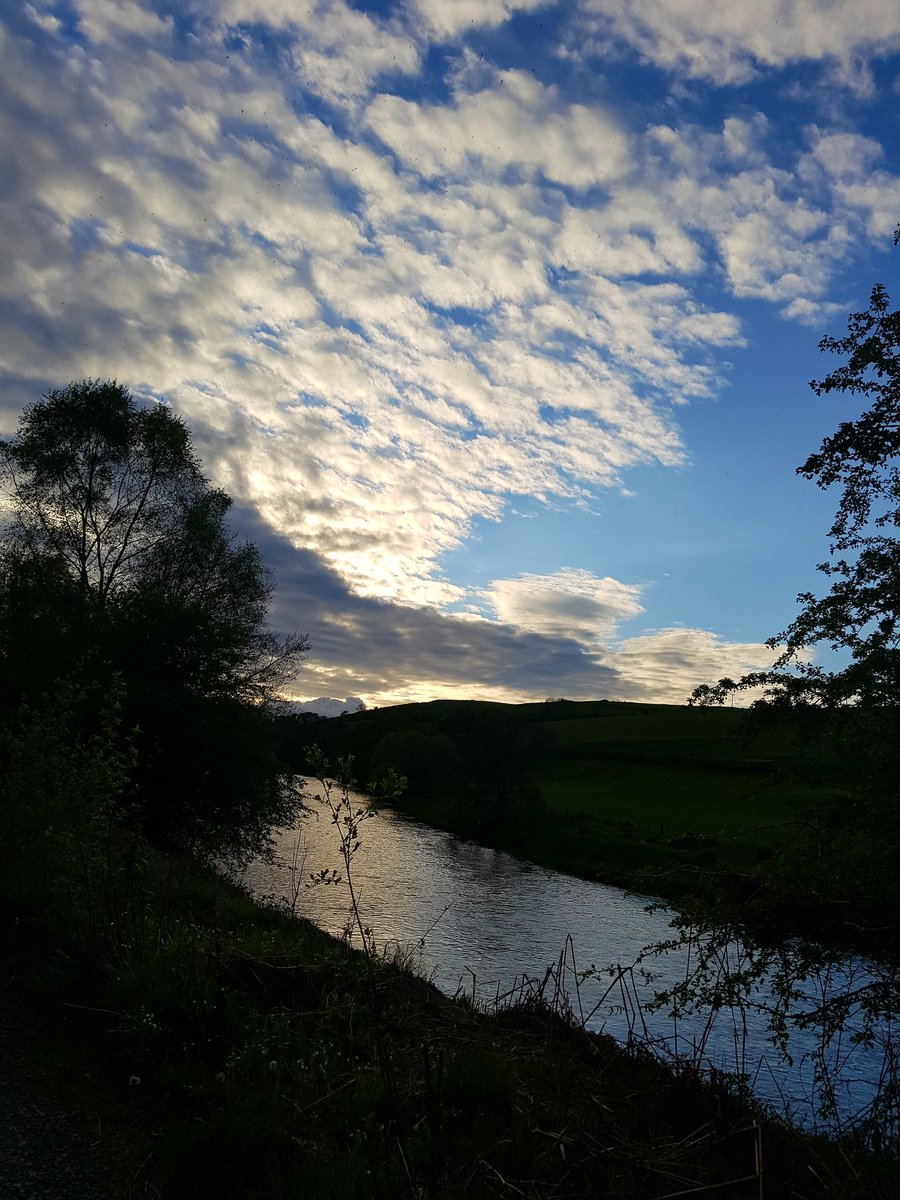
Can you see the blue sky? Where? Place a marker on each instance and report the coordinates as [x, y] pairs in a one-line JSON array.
[[496, 317]]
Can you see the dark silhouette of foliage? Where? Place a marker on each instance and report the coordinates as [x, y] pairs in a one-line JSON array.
[[117, 563], [497, 756], [427, 760], [861, 612], [848, 852], [98, 483]]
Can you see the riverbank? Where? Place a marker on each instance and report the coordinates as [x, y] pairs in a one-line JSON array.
[[223, 1048], [699, 806], [645, 797]]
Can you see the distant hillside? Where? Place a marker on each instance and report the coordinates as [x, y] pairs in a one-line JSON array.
[[593, 730]]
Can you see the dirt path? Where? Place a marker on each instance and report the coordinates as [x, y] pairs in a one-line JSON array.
[[46, 1152]]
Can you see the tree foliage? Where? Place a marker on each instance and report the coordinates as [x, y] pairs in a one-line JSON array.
[[860, 614], [834, 884], [117, 563], [99, 484], [846, 855]]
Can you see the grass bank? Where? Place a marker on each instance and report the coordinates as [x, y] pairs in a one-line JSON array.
[[223, 1049]]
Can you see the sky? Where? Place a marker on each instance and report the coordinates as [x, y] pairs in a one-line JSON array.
[[495, 317]]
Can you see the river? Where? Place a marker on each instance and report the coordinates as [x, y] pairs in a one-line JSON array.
[[477, 920]]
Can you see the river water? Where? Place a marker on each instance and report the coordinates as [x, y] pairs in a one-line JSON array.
[[478, 921]]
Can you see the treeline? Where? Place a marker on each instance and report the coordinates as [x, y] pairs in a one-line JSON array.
[[480, 755]]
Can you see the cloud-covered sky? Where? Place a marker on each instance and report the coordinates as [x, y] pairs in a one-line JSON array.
[[496, 317]]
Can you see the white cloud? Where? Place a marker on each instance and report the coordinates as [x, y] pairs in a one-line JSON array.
[[667, 664], [632, 235], [662, 665], [862, 190], [108, 22], [328, 706], [568, 603], [778, 239], [291, 291], [337, 51], [447, 19], [844, 156], [519, 123], [225, 271], [730, 43]]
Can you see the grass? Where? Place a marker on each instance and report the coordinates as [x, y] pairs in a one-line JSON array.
[[665, 799], [662, 793], [224, 1049]]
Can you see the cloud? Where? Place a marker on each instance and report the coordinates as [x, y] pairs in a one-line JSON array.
[[445, 21], [568, 603], [520, 123], [369, 362], [851, 167], [775, 241], [328, 706], [663, 665], [730, 44], [387, 307], [111, 22], [554, 635], [334, 51], [667, 664], [387, 652]]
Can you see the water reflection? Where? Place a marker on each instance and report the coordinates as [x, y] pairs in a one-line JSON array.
[[480, 919], [482, 910]]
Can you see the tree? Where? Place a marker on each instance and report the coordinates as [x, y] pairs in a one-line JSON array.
[[861, 612], [98, 483], [197, 613], [426, 760], [117, 562], [832, 888], [848, 852]]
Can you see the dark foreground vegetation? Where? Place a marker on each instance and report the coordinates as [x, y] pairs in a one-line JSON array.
[[217, 1048], [132, 617]]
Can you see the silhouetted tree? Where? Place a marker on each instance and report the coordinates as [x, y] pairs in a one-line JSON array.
[[117, 561], [426, 760], [861, 612], [850, 854], [99, 484]]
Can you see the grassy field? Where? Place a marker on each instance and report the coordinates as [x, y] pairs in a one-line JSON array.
[[675, 771]]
